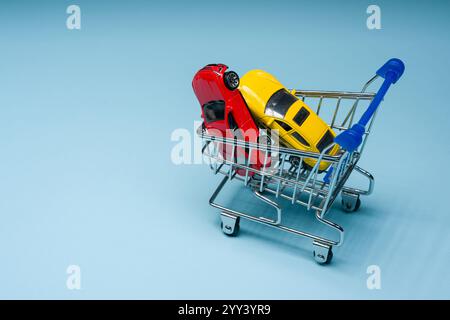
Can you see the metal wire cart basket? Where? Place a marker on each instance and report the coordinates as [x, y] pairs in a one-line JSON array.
[[288, 178]]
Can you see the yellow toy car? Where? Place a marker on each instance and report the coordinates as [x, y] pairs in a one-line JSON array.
[[274, 107]]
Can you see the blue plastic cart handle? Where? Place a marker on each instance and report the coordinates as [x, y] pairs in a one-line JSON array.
[[350, 139]]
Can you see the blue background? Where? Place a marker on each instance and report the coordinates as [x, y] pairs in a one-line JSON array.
[[86, 177]]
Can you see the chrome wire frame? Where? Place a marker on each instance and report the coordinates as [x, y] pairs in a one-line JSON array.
[[291, 180]]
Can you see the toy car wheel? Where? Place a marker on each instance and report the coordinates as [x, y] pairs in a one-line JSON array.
[[294, 160], [231, 80]]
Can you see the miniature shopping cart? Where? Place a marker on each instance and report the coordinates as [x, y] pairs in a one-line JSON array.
[[288, 178]]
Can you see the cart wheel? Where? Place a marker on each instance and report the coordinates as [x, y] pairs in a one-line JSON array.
[[229, 225], [323, 253], [322, 260], [349, 207], [350, 203], [231, 80]]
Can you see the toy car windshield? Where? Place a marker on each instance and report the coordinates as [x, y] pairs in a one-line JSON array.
[[279, 103], [214, 111]]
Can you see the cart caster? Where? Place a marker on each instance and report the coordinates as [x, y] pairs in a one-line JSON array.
[[229, 224], [350, 202], [323, 253]]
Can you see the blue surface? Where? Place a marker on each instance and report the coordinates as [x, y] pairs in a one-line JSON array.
[[85, 172]]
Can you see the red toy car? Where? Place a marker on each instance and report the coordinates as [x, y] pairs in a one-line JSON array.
[[225, 112]]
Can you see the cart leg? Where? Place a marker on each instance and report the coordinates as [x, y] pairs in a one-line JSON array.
[[229, 224], [322, 252], [350, 201]]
